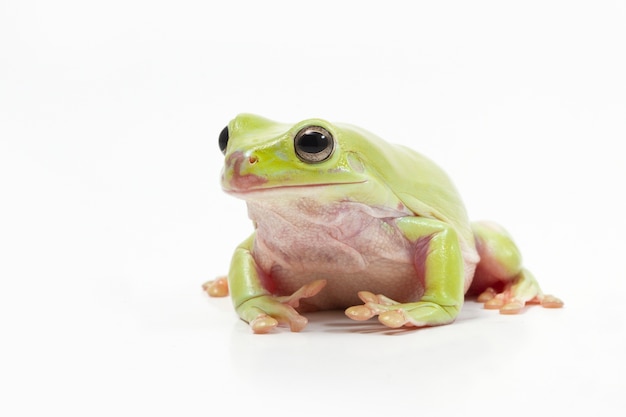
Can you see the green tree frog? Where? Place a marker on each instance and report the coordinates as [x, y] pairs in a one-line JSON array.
[[345, 220]]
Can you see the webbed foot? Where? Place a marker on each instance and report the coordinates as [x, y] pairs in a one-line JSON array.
[[522, 290], [266, 312], [394, 314]]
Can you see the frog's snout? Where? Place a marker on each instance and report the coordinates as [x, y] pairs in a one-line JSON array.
[[240, 162], [237, 176]]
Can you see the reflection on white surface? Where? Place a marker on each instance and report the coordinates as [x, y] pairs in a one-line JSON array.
[[483, 360]]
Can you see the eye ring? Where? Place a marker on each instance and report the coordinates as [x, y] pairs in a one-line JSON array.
[[313, 144], [223, 140]]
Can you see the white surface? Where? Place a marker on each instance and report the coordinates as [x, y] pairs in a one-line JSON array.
[[111, 215]]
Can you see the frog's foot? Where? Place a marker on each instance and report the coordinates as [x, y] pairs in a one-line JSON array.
[[217, 287], [522, 290], [393, 314], [265, 312]]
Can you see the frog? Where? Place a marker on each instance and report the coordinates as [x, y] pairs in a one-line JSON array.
[[344, 220]]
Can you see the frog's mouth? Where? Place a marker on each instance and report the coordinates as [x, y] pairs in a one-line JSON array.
[[257, 188], [243, 185]]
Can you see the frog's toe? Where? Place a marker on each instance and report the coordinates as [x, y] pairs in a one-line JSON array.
[[395, 319], [263, 323], [264, 313], [512, 307], [550, 301], [374, 304], [369, 297], [360, 313], [306, 291], [505, 301], [516, 295], [217, 287], [391, 318], [487, 295], [395, 315]]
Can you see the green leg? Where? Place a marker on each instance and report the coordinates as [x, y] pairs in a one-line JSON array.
[[501, 267], [255, 304], [443, 276]]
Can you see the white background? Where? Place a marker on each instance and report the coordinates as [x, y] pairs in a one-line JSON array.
[[111, 213]]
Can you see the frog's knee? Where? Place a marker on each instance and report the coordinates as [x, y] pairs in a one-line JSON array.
[[499, 255]]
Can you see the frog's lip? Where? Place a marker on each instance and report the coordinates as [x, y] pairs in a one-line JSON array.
[[259, 190]]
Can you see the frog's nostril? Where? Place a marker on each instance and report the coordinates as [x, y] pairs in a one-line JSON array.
[[253, 160]]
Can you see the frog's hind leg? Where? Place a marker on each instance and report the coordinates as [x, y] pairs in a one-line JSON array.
[[500, 281]]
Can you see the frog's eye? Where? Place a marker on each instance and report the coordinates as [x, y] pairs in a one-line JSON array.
[[223, 139], [314, 144]]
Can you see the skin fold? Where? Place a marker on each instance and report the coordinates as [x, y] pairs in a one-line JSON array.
[[345, 220]]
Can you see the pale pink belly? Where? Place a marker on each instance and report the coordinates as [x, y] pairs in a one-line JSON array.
[[377, 259], [354, 247], [396, 281]]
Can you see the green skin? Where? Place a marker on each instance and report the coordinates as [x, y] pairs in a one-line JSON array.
[[262, 167]]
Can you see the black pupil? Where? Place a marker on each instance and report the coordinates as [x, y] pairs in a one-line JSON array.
[[223, 141], [313, 142]]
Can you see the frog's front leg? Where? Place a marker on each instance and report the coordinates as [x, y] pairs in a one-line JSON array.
[[254, 304], [438, 263]]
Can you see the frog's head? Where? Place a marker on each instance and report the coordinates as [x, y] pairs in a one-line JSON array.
[[262, 155]]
